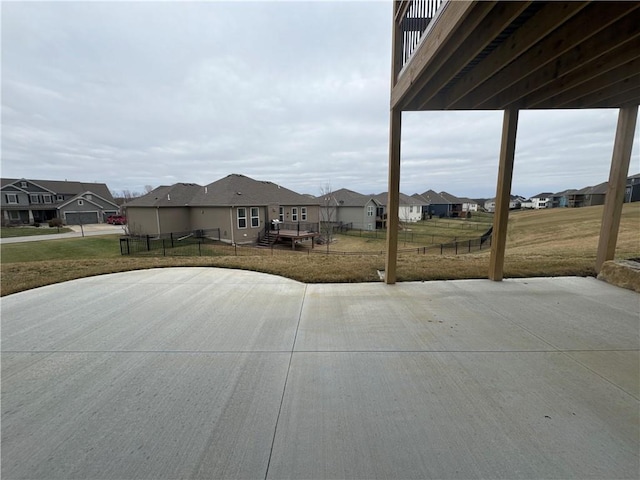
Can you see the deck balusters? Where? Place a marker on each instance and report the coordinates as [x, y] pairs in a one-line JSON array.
[[417, 17]]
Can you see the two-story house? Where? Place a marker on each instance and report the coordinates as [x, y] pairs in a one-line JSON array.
[[26, 202]]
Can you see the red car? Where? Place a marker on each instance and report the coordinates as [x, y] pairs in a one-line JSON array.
[[117, 219]]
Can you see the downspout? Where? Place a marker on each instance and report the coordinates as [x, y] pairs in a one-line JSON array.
[[231, 224], [158, 219]]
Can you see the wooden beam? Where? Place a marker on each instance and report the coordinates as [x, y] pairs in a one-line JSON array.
[[393, 202], [569, 96], [617, 182], [546, 20], [443, 30], [616, 94], [585, 24], [485, 24], [503, 194], [590, 58], [626, 97]]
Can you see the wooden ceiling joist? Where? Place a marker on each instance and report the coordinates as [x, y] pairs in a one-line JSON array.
[[483, 29], [542, 23], [520, 54]]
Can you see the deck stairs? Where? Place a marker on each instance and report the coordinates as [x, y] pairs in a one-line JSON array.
[[268, 240]]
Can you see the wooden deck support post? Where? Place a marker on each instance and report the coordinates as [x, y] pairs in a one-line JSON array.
[[617, 182], [503, 193], [395, 133], [393, 202]]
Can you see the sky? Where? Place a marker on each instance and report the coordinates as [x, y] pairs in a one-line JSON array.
[[136, 94]]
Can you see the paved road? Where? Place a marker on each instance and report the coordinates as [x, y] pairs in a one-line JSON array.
[[89, 230], [219, 373]]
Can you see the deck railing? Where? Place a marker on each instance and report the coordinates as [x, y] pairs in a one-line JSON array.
[[413, 23]]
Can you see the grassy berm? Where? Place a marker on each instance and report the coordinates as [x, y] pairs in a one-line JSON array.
[[540, 243]]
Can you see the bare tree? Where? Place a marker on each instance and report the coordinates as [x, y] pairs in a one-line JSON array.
[[148, 189], [328, 210]]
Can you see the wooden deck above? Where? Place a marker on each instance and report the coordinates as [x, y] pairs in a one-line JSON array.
[[456, 55]]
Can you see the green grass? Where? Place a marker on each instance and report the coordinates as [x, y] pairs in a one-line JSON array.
[[103, 247], [8, 232]]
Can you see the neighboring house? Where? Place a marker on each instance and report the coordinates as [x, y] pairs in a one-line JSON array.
[[527, 204], [25, 201], [441, 204], [409, 208], [469, 205], [165, 209], [589, 196], [346, 207], [455, 202], [541, 200], [632, 190], [561, 199], [515, 202], [241, 207]]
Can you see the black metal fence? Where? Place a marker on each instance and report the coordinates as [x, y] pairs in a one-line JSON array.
[[207, 243], [170, 244]]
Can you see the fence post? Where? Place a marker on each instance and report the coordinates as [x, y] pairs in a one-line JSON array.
[[171, 234], [199, 248], [148, 244], [164, 252], [469, 246], [456, 244], [441, 249]]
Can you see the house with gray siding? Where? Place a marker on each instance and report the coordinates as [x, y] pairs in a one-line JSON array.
[[241, 207], [589, 196], [25, 201], [346, 207]]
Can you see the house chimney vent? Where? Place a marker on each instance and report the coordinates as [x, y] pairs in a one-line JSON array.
[[168, 196]]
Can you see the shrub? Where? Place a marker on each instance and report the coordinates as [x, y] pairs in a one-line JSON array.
[[55, 222]]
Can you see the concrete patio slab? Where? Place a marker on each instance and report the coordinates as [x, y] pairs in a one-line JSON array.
[[214, 373], [452, 415], [155, 415]]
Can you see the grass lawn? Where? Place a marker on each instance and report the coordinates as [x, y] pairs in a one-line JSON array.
[[540, 243], [6, 232]]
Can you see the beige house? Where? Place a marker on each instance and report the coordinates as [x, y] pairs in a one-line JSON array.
[[242, 208]]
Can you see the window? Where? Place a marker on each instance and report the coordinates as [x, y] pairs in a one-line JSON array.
[[46, 198], [242, 218], [23, 184], [370, 211], [303, 213], [13, 215], [88, 197], [34, 198], [369, 226], [12, 198], [255, 217], [80, 202], [60, 198], [410, 208], [294, 214], [281, 214]]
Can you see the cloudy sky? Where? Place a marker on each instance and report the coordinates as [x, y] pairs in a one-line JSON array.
[[153, 93]]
